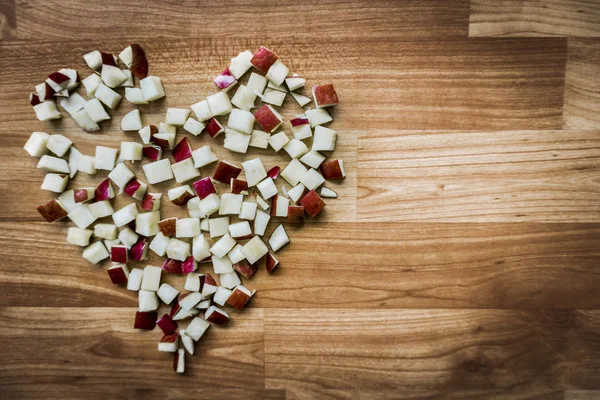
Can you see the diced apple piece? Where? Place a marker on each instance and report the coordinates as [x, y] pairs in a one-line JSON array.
[[248, 211], [54, 164], [46, 111], [209, 287], [84, 120], [158, 171], [297, 192], [325, 96], [152, 152], [131, 151], [210, 204], [221, 295], [216, 315], [128, 83], [277, 72], [194, 127], [333, 170], [295, 214], [128, 237], [187, 227], [170, 344], [328, 193], [244, 98], [257, 83], [271, 262], [225, 172], [254, 249], [240, 230], [214, 128], [278, 140], [241, 120], [79, 237], [313, 159], [135, 95], [193, 281], [218, 226], [267, 188], [263, 59], [230, 204], [159, 244], [185, 170], [178, 250], [196, 328], [200, 248], [279, 206], [274, 97], [95, 253], [105, 158], [120, 175], [262, 203], [293, 172], [151, 201], [295, 148], [36, 144], [240, 64], [139, 63], [146, 224], [93, 59], [204, 187], [73, 103], [52, 211], [239, 297], [187, 301], [96, 111], [301, 128], [105, 231], [235, 255], [236, 141], [56, 183], [145, 320], [279, 238], [101, 209], [82, 216], [295, 83], [324, 139], [177, 116], [151, 278], [313, 204], [312, 179], [318, 116], [112, 76], [165, 323], [219, 104], [132, 121], [202, 110], [245, 269], [118, 274], [152, 88], [225, 80], [108, 96], [180, 195], [223, 246], [239, 186], [104, 191], [182, 151], [259, 139], [125, 215], [172, 266]]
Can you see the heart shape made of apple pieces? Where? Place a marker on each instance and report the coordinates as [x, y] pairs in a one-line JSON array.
[[225, 205]]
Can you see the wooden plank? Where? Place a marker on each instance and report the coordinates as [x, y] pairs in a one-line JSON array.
[[339, 265], [74, 347], [582, 88], [428, 353], [284, 19], [8, 19], [582, 394], [524, 18], [513, 176]]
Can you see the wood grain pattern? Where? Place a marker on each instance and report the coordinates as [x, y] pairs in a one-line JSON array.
[[534, 176], [582, 88], [524, 18], [461, 260]]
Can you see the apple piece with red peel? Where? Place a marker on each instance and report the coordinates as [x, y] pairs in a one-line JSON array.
[[44, 91], [180, 195], [145, 320], [225, 172], [271, 262], [166, 324], [172, 266], [57, 81], [196, 328], [108, 59], [139, 251], [83, 195], [295, 214], [182, 151], [214, 127], [179, 361], [239, 297], [245, 269], [168, 226], [333, 170], [325, 96], [273, 173], [189, 265], [225, 80], [216, 316], [139, 63], [221, 296], [118, 274], [34, 99], [268, 118], [179, 314], [312, 179], [147, 132], [104, 191], [301, 128], [279, 206], [263, 59], [166, 141], [136, 189], [169, 343], [239, 186], [312, 203], [204, 187], [152, 152], [209, 287], [118, 254], [151, 202]]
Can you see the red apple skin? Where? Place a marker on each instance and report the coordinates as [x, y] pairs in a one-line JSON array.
[[153, 153], [172, 266], [273, 208], [325, 94], [238, 186], [312, 203], [160, 142], [245, 269], [209, 280], [238, 299], [132, 187], [273, 172], [166, 324], [170, 338], [174, 309], [299, 121], [213, 127], [295, 214], [108, 59], [52, 211], [148, 202], [225, 172], [139, 63], [267, 120], [271, 262], [217, 318], [204, 187], [168, 226], [103, 191], [224, 79], [48, 92], [182, 150], [118, 254], [80, 195], [34, 99], [145, 320], [58, 77], [117, 275], [188, 265], [263, 59], [331, 170], [182, 199], [137, 250], [175, 361]]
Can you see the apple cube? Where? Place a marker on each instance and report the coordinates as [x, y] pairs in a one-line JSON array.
[[263, 59], [223, 246], [257, 83], [152, 88], [279, 238], [244, 98], [52, 211], [159, 244], [134, 282], [218, 226], [91, 84], [209, 287], [147, 301], [145, 320], [193, 281], [225, 80], [202, 110], [172, 266], [185, 170], [259, 139], [245, 269], [73, 103], [230, 204], [200, 248], [178, 250], [204, 187], [194, 127], [128, 237], [279, 207], [135, 95], [96, 110], [318, 116], [84, 120], [268, 118], [187, 227], [328, 193], [295, 83], [216, 316], [53, 164], [295, 214], [36, 144], [267, 188], [167, 293], [158, 171], [333, 170], [93, 59], [259, 200], [277, 73], [55, 183], [138, 64], [254, 249], [132, 121], [219, 104], [146, 224], [151, 278], [241, 120], [278, 140], [312, 203], [180, 195], [107, 96], [324, 139], [118, 254], [239, 186], [46, 111], [313, 159], [214, 128], [112, 76], [312, 179], [194, 208], [177, 116], [221, 295], [120, 175], [79, 237], [128, 83], [239, 297], [105, 231], [168, 226], [297, 192], [300, 128], [271, 262], [236, 141], [82, 216], [196, 328], [110, 243], [248, 211], [324, 96], [131, 151], [210, 204], [240, 64], [236, 255], [279, 88], [166, 324], [293, 172], [295, 148], [189, 265], [187, 301], [170, 344], [274, 97], [225, 172], [151, 201], [95, 253], [86, 164], [125, 215], [152, 152], [101, 209], [240, 230], [105, 158]]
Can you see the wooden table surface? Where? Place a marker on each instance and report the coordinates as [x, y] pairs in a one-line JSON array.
[[462, 259]]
